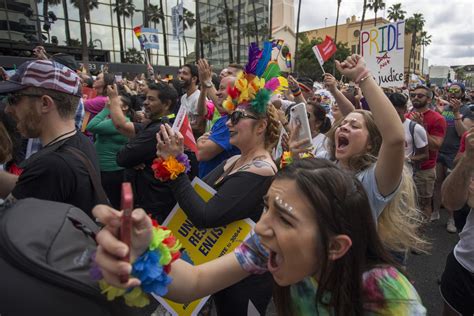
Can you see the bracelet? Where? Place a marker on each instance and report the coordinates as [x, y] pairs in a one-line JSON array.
[[362, 80], [151, 268], [297, 93], [361, 76], [171, 167], [295, 90], [287, 157]]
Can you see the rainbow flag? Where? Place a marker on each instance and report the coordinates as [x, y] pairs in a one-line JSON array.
[[288, 60], [147, 37]]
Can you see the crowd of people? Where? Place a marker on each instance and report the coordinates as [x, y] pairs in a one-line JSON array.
[[337, 214]]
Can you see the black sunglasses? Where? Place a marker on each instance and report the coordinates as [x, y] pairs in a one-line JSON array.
[[236, 116]]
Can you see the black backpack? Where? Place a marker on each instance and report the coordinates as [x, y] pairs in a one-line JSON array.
[[45, 250]]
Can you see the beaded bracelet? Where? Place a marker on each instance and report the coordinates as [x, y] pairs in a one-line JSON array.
[[297, 93], [362, 76], [287, 157], [151, 268], [171, 167]]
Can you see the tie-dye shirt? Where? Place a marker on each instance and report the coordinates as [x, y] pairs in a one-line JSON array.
[[386, 292]]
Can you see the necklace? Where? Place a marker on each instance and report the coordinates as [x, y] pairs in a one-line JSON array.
[[59, 137]]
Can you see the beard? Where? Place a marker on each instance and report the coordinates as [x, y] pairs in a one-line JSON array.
[[418, 105], [185, 84], [30, 125]]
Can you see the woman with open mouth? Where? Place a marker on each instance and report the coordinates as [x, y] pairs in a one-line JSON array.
[[317, 237]]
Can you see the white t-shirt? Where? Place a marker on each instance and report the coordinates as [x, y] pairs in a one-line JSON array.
[[419, 135], [464, 250], [191, 102], [319, 146]]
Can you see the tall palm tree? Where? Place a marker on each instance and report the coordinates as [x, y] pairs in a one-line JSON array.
[[124, 9], [335, 35], [364, 10], [82, 23], [248, 31], [209, 35], [396, 13], [89, 5], [154, 15], [255, 20], [46, 4], [117, 11], [198, 44], [297, 32], [376, 5], [413, 26], [188, 21], [165, 37], [66, 22], [424, 40], [239, 15], [227, 20]]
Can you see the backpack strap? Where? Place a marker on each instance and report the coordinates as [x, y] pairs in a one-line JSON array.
[[99, 190], [412, 133]]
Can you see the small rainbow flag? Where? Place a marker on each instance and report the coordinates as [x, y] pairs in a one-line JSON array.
[[279, 44], [288, 60]]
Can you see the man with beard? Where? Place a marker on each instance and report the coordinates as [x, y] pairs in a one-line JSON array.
[[453, 113], [189, 78], [435, 126], [138, 154], [42, 97]]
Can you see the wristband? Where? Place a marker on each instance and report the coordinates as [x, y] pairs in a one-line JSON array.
[[297, 93], [151, 268], [287, 157], [366, 77], [171, 167], [295, 90], [362, 76]]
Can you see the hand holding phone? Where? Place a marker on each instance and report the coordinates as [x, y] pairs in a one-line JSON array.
[[126, 226], [299, 116]]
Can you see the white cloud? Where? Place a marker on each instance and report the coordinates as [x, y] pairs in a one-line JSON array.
[[449, 22]]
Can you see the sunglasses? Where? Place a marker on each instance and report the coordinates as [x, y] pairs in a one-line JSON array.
[[418, 95], [14, 98], [454, 90], [236, 116]]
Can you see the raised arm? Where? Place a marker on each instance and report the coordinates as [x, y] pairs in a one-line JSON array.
[[391, 157], [345, 106], [455, 189], [121, 123]]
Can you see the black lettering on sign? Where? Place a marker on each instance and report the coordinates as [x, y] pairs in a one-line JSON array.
[[194, 241], [185, 228]]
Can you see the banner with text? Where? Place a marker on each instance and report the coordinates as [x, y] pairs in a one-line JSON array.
[[383, 48], [202, 245]]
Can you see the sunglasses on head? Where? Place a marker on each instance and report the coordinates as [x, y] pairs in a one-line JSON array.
[[454, 90], [417, 95], [236, 116]]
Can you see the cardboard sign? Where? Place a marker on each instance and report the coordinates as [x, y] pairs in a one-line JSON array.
[[383, 48], [202, 245]]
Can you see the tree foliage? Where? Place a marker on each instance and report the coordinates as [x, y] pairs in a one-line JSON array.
[[133, 56], [308, 65]]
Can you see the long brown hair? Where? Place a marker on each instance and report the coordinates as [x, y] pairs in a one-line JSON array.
[[341, 206]]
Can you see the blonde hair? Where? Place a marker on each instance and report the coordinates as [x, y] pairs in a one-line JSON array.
[[272, 133], [400, 221]]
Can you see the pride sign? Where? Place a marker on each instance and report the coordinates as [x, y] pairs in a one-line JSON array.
[[383, 47]]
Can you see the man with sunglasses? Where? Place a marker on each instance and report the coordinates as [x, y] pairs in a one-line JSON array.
[[214, 147], [435, 126], [453, 113], [42, 97]]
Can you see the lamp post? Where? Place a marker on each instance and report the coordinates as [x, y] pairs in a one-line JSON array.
[[100, 42]]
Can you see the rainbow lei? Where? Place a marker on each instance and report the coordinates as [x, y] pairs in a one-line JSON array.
[[151, 268], [171, 167]]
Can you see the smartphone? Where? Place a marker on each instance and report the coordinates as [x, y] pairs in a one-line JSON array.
[[126, 225], [299, 115]]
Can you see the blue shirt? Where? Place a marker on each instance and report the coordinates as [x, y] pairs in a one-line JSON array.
[[221, 136]]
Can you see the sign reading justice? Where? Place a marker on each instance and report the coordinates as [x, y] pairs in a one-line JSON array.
[[382, 47]]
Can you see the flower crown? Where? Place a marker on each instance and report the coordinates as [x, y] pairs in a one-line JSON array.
[[256, 84]]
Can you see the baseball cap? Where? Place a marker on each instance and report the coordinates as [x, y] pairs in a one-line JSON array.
[[45, 74]]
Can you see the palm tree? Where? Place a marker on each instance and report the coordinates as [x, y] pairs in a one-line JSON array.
[[364, 10], [124, 9], [198, 45], [66, 22], [46, 4], [165, 38], [89, 5], [248, 31], [335, 35], [209, 35], [82, 23], [396, 13], [424, 40], [413, 26], [117, 11], [297, 32], [133, 56], [188, 21], [227, 20], [239, 14], [376, 5], [155, 15], [255, 20]]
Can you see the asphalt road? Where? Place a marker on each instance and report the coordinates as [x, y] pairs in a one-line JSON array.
[[425, 270]]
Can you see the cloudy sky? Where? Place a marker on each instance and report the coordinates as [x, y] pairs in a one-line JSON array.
[[450, 22]]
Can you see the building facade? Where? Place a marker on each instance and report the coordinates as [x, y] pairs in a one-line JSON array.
[[22, 27], [349, 33]]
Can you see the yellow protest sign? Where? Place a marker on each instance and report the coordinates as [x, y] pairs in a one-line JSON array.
[[202, 245]]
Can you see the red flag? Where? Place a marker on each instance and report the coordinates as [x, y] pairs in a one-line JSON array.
[[182, 124], [325, 50]]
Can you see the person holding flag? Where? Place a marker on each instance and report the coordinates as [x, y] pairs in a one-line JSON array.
[[324, 51]]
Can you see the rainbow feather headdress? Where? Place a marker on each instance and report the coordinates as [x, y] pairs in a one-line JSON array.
[[256, 84]]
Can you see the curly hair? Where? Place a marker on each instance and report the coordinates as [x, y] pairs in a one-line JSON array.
[[272, 133]]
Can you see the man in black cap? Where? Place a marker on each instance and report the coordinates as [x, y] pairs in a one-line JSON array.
[[42, 97]]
